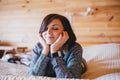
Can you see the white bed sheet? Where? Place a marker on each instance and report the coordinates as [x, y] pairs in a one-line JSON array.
[[103, 64]]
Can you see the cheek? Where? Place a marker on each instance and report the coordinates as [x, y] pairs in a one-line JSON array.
[[58, 34]]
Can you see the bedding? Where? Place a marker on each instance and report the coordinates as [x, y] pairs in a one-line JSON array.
[[102, 60], [103, 63]]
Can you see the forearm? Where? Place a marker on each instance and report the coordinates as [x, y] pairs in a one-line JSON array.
[[39, 67], [62, 71]]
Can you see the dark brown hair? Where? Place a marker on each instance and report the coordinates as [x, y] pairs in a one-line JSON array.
[[66, 24]]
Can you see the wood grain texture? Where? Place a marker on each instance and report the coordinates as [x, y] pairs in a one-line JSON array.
[[20, 20]]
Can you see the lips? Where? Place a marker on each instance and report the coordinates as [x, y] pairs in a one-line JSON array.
[[49, 40], [50, 37]]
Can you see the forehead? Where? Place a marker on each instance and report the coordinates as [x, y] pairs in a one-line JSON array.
[[55, 22]]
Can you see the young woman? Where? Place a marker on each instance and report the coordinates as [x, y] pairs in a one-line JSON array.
[[57, 54]]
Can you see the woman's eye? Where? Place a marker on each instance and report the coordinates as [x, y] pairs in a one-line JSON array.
[[55, 28]]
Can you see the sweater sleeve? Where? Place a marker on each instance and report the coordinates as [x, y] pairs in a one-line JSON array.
[[71, 68], [38, 63]]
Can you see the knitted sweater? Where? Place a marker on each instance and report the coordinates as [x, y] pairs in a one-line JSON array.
[[70, 65]]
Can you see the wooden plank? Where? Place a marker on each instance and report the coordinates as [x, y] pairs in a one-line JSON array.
[[99, 39], [18, 37], [92, 3], [95, 9], [96, 24], [96, 18], [5, 2], [37, 6], [94, 43], [98, 33], [94, 28]]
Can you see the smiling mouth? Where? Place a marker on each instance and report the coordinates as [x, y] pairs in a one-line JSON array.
[[50, 37]]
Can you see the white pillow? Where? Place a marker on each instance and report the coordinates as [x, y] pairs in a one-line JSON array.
[[112, 76], [101, 60]]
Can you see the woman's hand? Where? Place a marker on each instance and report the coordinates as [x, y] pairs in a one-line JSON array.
[[45, 46], [59, 42]]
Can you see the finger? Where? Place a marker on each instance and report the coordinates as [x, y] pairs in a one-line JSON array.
[[59, 38], [41, 39], [65, 36]]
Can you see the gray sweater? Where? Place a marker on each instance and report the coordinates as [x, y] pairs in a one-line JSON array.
[[70, 65]]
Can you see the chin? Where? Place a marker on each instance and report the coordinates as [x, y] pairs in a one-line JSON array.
[[49, 43]]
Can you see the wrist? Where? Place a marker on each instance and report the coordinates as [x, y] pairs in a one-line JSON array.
[[53, 49], [56, 54], [45, 52]]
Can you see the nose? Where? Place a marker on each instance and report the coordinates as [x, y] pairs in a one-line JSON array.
[[49, 31]]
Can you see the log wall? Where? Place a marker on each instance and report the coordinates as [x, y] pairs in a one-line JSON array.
[[93, 21]]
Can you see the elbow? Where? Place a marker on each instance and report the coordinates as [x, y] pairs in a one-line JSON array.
[[31, 73]]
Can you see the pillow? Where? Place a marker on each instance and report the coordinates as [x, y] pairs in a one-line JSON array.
[[101, 60], [112, 76]]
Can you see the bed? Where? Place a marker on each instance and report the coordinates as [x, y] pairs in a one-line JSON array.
[[103, 63]]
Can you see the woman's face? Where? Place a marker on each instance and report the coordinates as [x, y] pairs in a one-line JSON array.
[[54, 29]]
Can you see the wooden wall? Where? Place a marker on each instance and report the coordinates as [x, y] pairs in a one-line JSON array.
[[93, 21]]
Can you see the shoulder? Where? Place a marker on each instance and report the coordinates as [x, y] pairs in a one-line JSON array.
[[76, 47], [74, 53]]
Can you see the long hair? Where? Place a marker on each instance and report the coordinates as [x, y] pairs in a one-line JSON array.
[[66, 24]]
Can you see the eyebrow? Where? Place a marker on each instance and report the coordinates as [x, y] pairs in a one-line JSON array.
[[55, 24]]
